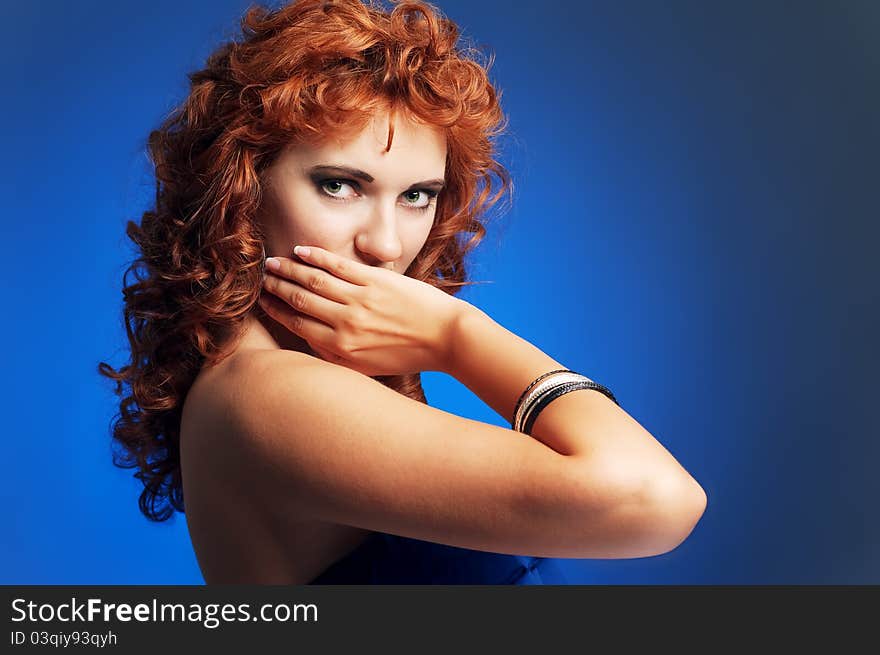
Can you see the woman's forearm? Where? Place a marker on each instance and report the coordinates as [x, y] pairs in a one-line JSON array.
[[497, 365]]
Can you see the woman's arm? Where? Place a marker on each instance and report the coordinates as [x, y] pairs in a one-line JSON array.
[[497, 365]]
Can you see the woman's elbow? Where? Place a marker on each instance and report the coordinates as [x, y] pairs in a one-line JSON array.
[[675, 506]]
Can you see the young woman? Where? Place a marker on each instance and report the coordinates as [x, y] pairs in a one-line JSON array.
[[281, 398]]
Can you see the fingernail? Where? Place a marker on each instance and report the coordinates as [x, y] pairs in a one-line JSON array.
[[302, 251], [273, 264]]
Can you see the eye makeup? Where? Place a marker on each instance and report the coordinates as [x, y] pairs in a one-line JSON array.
[[336, 171], [331, 180]]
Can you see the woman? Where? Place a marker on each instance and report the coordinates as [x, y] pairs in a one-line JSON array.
[[281, 398]]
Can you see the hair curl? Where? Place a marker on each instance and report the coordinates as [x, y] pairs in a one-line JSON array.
[[299, 71]]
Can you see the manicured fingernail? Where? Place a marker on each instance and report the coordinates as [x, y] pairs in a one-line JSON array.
[[273, 264], [302, 251]]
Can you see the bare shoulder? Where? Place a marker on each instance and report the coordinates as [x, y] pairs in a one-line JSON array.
[[236, 531], [222, 394]]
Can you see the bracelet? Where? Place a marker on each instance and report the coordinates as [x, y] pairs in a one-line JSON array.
[[557, 391], [547, 381], [534, 382], [542, 391]]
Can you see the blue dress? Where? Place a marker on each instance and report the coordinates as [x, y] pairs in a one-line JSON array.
[[391, 559]]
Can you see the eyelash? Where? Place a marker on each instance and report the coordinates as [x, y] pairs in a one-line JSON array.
[[430, 192]]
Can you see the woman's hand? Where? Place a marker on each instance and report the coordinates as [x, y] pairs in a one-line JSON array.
[[369, 319]]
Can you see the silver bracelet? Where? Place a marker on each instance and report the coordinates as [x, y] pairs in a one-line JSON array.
[[549, 387], [559, 377]]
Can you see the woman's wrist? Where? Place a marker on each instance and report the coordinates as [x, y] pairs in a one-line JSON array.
[[492, 361], [462, 324]]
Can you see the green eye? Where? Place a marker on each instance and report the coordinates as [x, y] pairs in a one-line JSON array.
[[346, 190]]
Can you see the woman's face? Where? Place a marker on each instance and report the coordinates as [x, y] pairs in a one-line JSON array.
[[356, 200]]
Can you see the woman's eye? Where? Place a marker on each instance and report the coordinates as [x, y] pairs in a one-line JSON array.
[[346, 190], [417, 198], [337, 188]]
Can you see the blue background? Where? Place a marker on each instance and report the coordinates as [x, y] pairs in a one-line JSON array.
[[694, 225]]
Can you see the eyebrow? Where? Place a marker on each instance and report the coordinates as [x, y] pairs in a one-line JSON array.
[[336, 169]]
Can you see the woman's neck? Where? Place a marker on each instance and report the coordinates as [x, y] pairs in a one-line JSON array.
[[263, 332]]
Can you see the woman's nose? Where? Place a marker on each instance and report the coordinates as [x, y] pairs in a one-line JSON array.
[[378, 238]]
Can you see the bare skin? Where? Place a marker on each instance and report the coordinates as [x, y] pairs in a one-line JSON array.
[[290, 460], [235, 538], [383, 223]]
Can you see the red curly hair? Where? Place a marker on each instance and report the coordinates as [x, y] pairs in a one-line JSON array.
[[300, 71]]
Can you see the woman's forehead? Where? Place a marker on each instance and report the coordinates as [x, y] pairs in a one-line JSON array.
[[417, 150]]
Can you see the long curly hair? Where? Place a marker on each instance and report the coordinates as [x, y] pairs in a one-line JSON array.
[[300, 71]]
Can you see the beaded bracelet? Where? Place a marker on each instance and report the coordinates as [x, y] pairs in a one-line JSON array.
[[549, 382], [531, 386], [552, 394], [537, 396]]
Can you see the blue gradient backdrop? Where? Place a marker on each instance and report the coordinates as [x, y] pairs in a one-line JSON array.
[[695, 225]]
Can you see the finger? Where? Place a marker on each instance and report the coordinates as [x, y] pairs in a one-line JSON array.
[[310, 329], [302, 300], [312, 278], [341, 267]]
